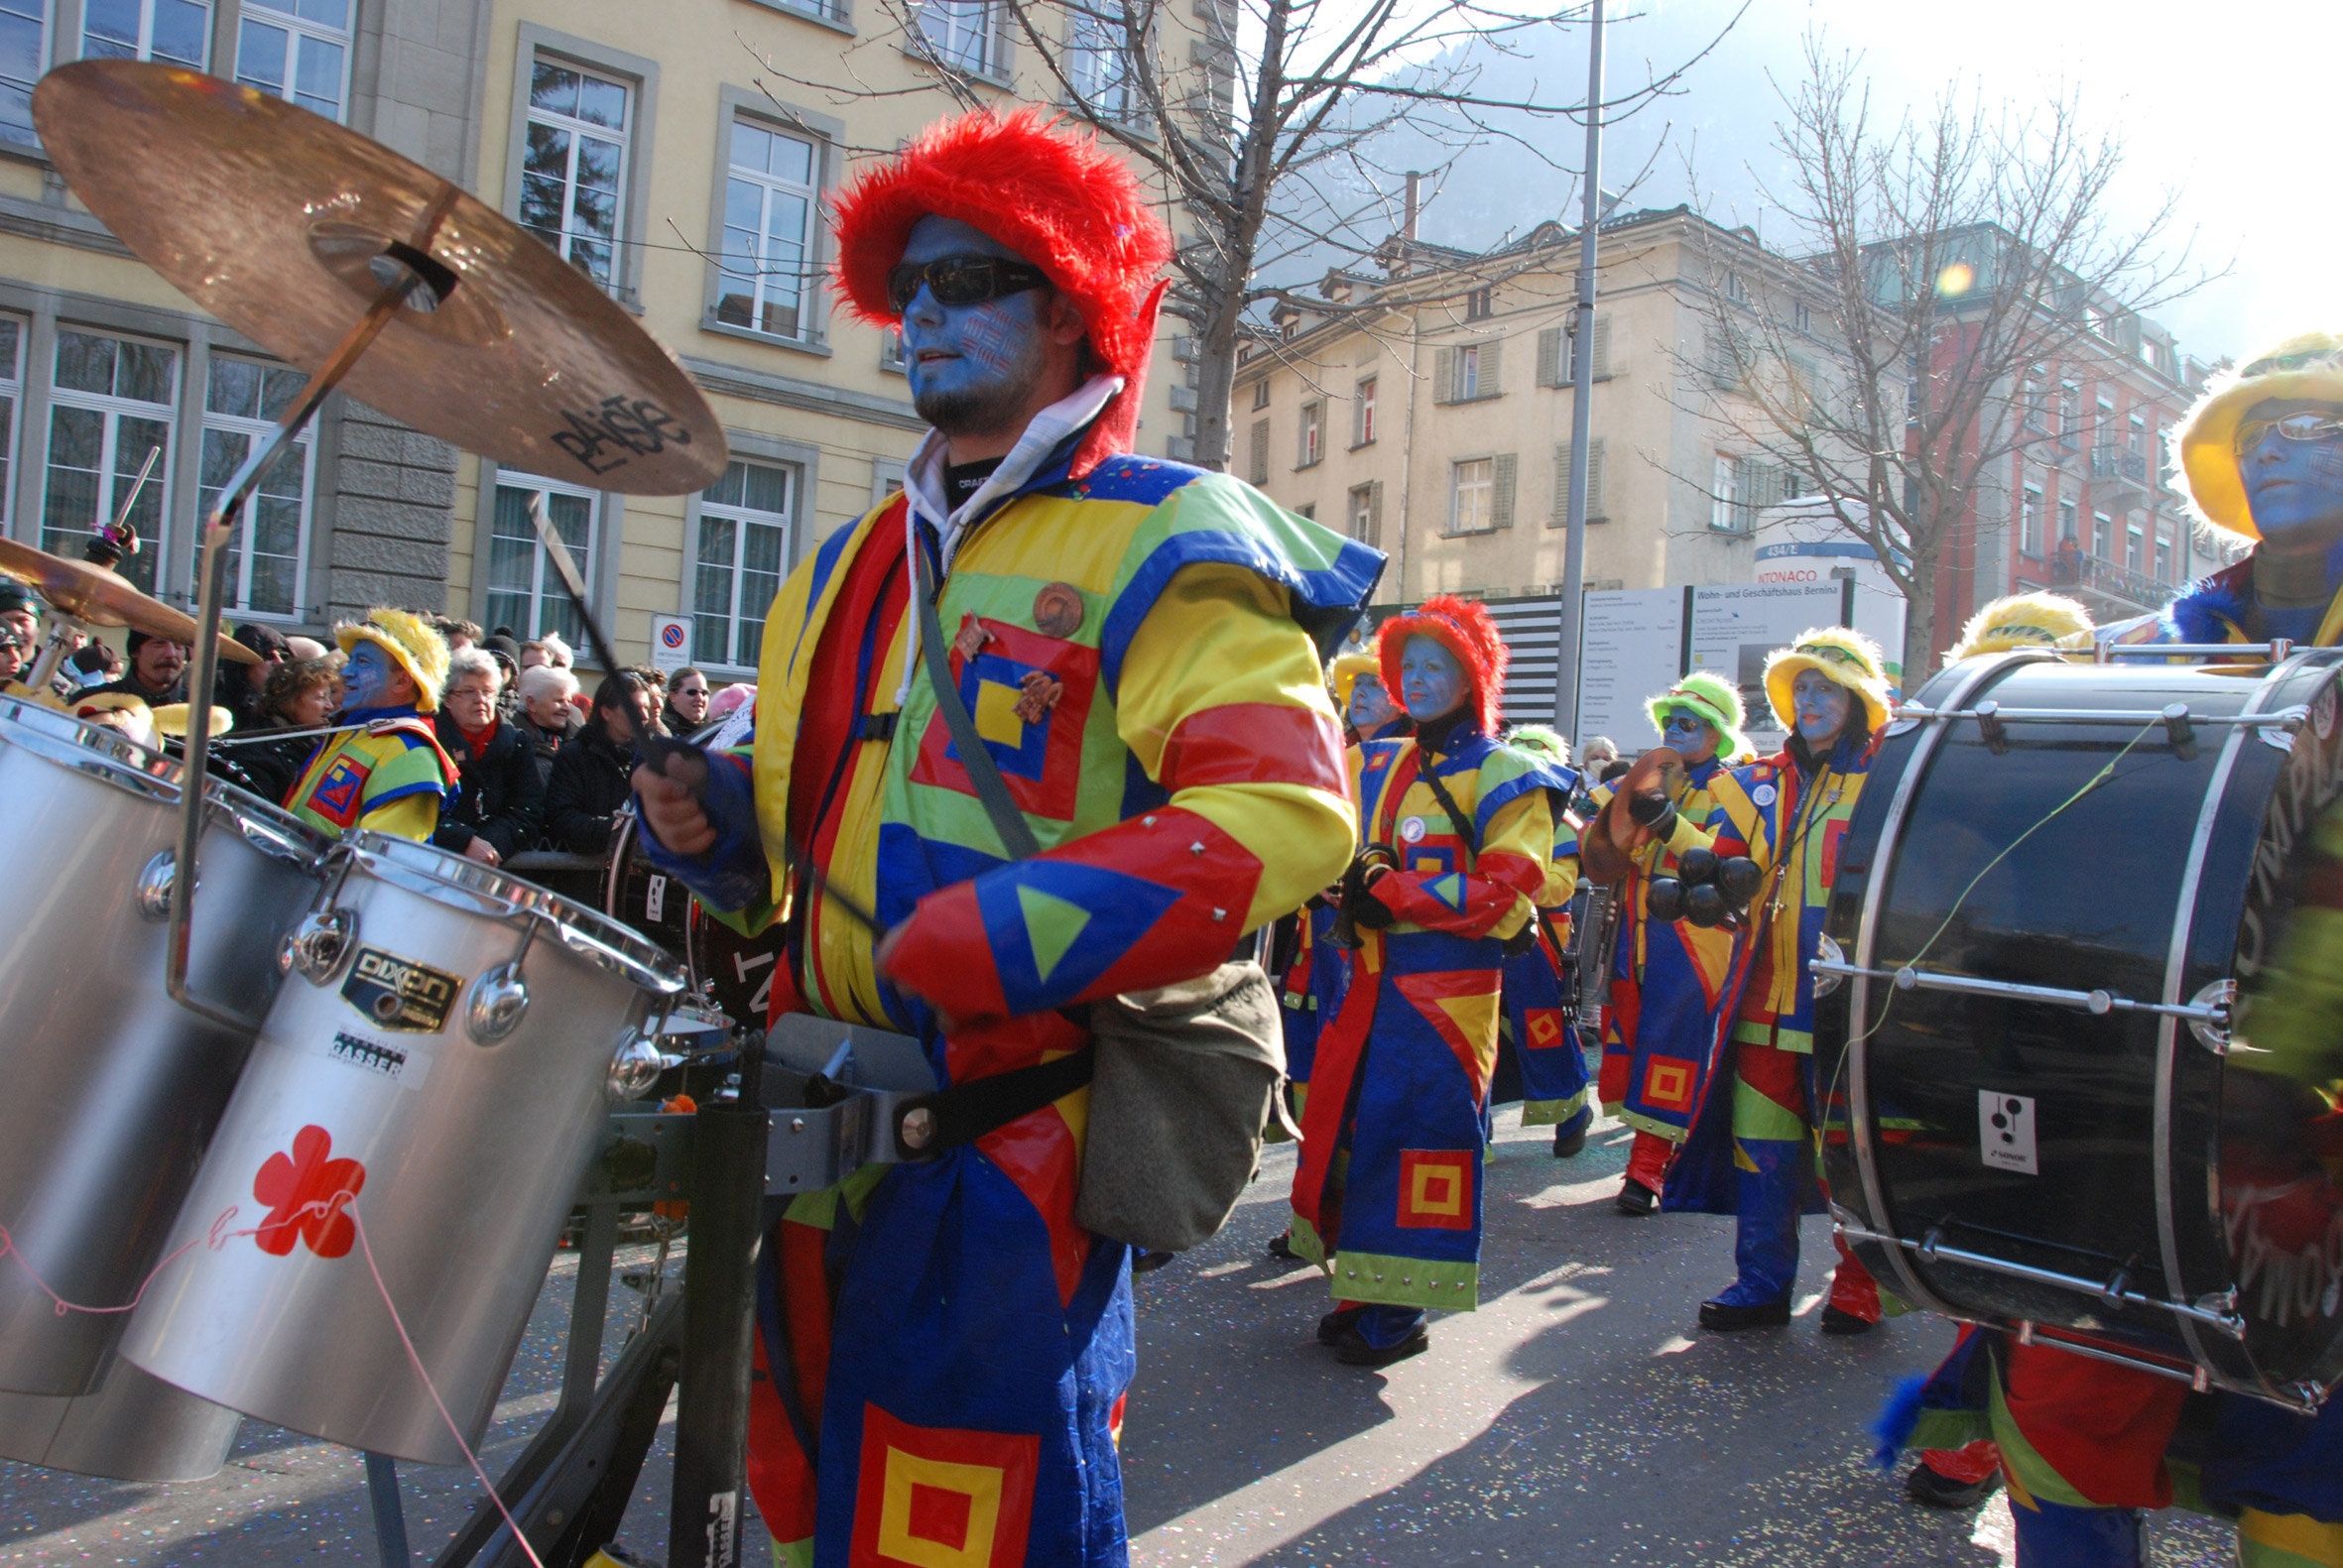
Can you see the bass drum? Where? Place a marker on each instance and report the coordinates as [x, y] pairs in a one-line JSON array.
[[736, 972], [2056, 879], [636, 893]]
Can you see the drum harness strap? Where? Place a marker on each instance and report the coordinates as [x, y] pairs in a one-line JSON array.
[[1527, 937]]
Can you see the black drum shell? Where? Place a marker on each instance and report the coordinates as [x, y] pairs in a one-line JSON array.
[[2128, 1180]]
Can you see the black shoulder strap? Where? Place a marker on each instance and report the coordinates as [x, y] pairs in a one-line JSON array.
[[991, 790], [1456, 819]]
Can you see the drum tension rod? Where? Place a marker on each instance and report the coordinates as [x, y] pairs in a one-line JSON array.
[[2098, 1003], [2115, 1292], [2178, 719]]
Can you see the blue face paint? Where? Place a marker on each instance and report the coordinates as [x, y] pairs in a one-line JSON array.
[[1820, 706], [972, 366], [365, 676], [2295, 489], [1371, 707], [1431, 679], [1689, 737]]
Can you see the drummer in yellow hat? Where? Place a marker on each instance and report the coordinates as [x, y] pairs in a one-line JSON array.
[[2262, 457], [385, 770], [2024, 620]]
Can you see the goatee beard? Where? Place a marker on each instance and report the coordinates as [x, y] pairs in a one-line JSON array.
[[971, 410]]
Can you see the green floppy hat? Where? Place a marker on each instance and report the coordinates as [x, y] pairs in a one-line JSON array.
[[1716, 700]]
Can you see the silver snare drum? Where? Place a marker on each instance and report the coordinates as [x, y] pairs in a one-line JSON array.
[[438, 1064], [112, 1090]]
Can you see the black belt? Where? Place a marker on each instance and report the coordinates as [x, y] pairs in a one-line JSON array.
[[925, 1126]]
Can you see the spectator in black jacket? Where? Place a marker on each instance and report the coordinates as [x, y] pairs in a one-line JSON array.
[[547, 715], [157, 672], [590, 779], [499, 802], [688, 702]]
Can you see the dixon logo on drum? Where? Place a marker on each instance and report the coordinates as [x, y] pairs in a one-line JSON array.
[[400, 993]]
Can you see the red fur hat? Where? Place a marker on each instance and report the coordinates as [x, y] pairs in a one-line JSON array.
[[1463, 628], [1057, 199]]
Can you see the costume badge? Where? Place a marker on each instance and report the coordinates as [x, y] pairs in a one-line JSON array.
[[971, 639], [1411, 830], [1762, 795], [1057, 610]]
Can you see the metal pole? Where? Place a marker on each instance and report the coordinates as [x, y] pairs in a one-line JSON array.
[[720, 1328], [1565, 653]]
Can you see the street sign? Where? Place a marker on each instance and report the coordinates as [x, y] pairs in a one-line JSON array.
[[670, 642]]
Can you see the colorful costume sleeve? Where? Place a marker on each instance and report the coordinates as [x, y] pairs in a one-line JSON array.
[[403, 791], [1222, 704], [1493, 898], [1562, 877]]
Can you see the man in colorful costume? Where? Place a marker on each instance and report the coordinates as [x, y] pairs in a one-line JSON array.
[[1668, 978], [1539, 982], [944, 1352], [2087, 1447], [389, 772], [1750, 1149], [1458, 834]]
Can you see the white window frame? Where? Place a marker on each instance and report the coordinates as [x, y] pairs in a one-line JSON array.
[[2070, 521], [1098, 66], [544, 582], [575, 128], [2102, 535], [145, 35], [2163, 556], [1313, 433], [2135, 548], [951, 46], [1474, 478], [1468, 373], [12, 395], [742, 516], [43, 12], [771, 185], [255, 12], [1364, 430], [1724, 502], [154, 549], [1361, 518], [255, 431], [2030, 521]]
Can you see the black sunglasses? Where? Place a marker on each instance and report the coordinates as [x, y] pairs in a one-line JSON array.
[[960, 279]]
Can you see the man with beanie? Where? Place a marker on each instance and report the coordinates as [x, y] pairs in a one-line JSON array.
[[157, 674], [391, 776], [1044, 640], [1751, 1151]]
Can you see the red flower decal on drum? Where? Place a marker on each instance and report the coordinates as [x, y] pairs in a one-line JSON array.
[[306, 1195]]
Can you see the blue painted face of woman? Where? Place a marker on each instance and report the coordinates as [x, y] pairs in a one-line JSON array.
[[971, 367], [1820, 706], [1431, 679], [1371, 707]]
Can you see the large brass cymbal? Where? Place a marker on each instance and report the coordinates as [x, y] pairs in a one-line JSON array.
[[93, 595], [277, 222]]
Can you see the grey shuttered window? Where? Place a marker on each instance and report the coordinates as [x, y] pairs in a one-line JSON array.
[[1444, 375], [1492, 381], [1257, 469], [1549, 357], [1501, 503], [1595, 512]]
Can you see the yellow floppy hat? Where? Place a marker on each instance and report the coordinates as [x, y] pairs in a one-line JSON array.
[[2022, 620], [408, 638], [2309, 365], [1842, 653], [1345, 674]]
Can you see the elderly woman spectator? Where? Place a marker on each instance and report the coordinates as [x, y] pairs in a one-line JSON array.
[[545, 717], [299, 696], [589, 782], [498, 800]]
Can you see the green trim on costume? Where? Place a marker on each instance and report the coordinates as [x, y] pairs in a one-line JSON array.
[[794, 1555], [1644, 1123], [820, 1209], [1949, 1430], [1551, 1113], [1757, 1117], [1303, 1238], [2287, 1540], [2188, 1486], [1798, 1043], [2020, 1460], [1406, 1281]]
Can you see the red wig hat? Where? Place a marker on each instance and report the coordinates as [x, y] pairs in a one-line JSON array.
[[1463, 628], [1057, 199]]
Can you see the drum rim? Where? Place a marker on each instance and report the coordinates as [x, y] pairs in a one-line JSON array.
[[460, 882], [99, 752]]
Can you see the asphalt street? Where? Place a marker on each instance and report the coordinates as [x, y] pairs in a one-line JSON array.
[[1579, 1418]]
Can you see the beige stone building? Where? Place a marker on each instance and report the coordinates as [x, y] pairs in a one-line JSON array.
[[680, 154], [1432, 415]]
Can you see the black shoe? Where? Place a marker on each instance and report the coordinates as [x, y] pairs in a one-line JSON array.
[[1148, 1263], [1636, 1198], [1282, 1245], [1568, 1144], [1352, 1349], [1728, 1319], [1927, 1487], [1843, 1323], [1332, 1326]]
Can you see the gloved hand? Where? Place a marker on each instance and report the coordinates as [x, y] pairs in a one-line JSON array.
[[1655, 811], [1369, 866]]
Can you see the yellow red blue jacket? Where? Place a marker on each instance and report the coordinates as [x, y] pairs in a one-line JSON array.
[[389, 777]]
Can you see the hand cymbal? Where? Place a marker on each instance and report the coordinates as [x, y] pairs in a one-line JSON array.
[[93, 595], [285, 225]]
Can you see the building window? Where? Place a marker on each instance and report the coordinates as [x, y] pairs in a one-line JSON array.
[[574, 172], [1468, 374], [1365, 515], [2136, 437], [1313, 420], [1735, 289], [241, 402], [2030, 521], [109, 405], [769, 198], [1098, 66], [2066, 521], [1261, 392], [2035, 413], [744, 538], [11, 382], [2102, 537], [1362, 431], [961, 34], [1724, 501], [298, 50], [2070, 414], [1480, 304], [1802, 317], [2164, 557], [173, 30], [1474, 490], [523, 589], [2133, 539], [24, 53]]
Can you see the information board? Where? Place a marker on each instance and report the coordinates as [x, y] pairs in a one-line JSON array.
[[1630, 648]]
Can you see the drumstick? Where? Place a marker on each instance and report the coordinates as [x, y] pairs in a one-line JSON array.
[[655, 750]]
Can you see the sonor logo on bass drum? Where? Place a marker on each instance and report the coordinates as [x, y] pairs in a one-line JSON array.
[[399, 993]]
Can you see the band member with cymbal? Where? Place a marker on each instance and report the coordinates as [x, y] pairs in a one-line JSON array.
[[1456, 839], [1668, 976], [389, 772], [1750, 1150], [1122, 665]]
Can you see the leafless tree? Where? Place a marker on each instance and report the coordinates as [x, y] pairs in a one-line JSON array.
[[1270, 136], [1954, 265]]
